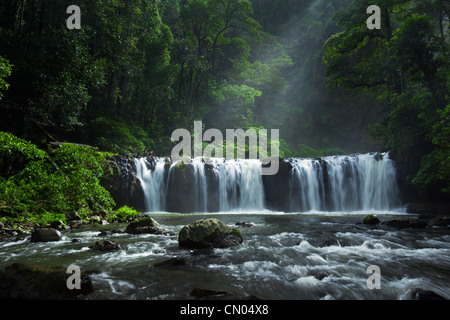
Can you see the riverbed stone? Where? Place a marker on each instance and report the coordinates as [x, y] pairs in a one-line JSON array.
[[34, 282], [208, 233], [371, 219], [106, 245], [46, 235], [171, 263], [145, 225]]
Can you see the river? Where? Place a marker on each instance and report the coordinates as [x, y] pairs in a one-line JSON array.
[[314, 255]]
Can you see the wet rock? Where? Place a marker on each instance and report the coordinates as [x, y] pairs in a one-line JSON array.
[[441, 222], [95, 220], [106, 233], [208, 233], [203, 293], [46, 235], [72, 216], [75, 224], [397, 223], [334, 242], [145, 225], [417, 223], [244, 224], [33, 282], [173, 262], [406, 223], [427, 208], [371, 219], [106, 245], [120, 181], [203, 251], [319, 275], [421, 294], [378, 156], [58, 225]]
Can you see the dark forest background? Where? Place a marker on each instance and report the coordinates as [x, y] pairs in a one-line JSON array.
[[139, 69]]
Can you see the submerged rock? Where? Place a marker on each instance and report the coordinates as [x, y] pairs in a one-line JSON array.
[[173, 262], [46, 235], [34, 282], [208, 233]]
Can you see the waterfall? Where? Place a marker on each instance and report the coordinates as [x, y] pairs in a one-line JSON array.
[[338, 183], [152, 180], [240, 184], [199, 185], [343, 183]]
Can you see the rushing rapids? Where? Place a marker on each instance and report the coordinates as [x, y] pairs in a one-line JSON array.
[[338, 183]]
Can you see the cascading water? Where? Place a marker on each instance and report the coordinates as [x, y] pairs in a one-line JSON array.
[[240, 184], [199, 185], [339, 183], [343, 183], [153, 182]]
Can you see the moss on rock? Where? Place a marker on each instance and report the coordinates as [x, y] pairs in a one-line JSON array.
[[208, 233]]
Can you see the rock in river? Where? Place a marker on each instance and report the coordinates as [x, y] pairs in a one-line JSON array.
[[371, 219], [106, 245], [45, 235], [145, 225], [208, 233], [26, 281]]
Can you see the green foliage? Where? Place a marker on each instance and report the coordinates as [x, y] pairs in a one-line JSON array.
[[116, 135], [434, 172], [5, 71], [123, 214], [406, 64], [47, 185]]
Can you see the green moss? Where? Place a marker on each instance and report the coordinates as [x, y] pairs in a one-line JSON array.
[[371, 219], [237, 232], [123, 214]]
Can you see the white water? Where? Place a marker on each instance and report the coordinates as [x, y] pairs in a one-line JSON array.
[[153, 183], [199, 184], [339, 183], [240, 184], [281, 258], [343, 183]]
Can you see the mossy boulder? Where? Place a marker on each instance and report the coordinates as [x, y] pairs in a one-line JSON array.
[[208, 233], [371, 219], [145, 225]]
